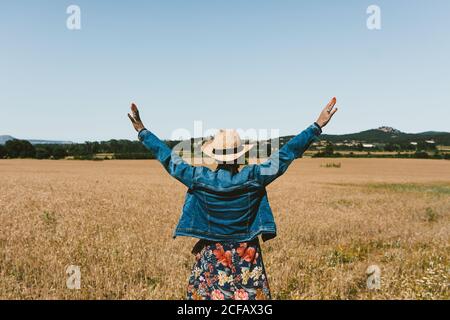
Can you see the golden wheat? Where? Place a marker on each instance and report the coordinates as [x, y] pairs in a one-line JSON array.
[[115, 220]]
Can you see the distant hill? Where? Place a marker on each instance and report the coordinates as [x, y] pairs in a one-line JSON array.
[[390, 135], [49, 142], [5, 138]]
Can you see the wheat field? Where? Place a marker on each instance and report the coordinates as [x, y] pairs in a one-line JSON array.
[[114, 219]]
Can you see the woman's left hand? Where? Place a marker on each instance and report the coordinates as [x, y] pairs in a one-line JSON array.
[[135, 118]]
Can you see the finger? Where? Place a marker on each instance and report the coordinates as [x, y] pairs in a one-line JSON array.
[[131, 118], [134, 108], [137, 116], [333, 112], [331, 104], [135, 111]]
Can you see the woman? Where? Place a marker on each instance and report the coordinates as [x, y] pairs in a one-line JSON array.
[[227, 208]]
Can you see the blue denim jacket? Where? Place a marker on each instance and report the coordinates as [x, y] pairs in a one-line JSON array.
[[220, 206]]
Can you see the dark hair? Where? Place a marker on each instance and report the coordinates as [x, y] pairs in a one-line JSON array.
[[232, 167]]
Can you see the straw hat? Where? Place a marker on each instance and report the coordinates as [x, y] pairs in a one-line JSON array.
[[226, 146]]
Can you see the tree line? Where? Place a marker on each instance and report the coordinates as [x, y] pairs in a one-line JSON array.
[[120, 149], [387, 147], [425, 151], [126, 149]]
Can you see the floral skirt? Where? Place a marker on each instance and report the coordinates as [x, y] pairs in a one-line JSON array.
[[228, 271]]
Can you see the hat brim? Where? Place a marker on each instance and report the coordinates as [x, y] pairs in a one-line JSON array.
[[207, 148]]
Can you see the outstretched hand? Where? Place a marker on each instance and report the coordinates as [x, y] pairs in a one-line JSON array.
[[135, 118], [327, 113]]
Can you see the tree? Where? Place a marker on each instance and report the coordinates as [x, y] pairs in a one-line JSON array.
[[329, 150], [42, 153], [2, 152], [421, 155], [422, 145], [59, 153], [20, 149], [391, 147]]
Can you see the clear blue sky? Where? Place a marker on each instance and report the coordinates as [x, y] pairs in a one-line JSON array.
[[231, 63]]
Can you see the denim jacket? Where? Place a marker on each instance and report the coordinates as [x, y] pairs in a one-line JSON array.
[[220, 206]]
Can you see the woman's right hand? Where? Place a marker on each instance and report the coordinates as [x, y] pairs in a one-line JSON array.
[[135, 118]]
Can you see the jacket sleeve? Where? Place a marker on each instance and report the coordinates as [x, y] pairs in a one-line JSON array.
[[279, 161], [171, 161]]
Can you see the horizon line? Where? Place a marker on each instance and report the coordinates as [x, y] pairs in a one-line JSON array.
[[281, 136]]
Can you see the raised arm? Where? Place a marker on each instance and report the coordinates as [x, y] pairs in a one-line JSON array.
[[171, 161], [278, 162]]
